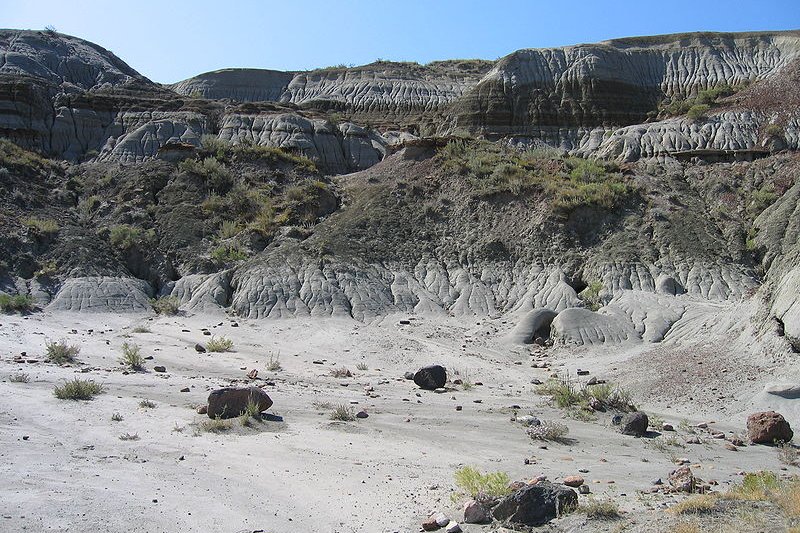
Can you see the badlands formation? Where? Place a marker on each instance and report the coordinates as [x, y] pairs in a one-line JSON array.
[[598, 244]]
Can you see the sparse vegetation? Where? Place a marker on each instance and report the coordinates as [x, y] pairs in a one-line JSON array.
[[125, 236], [701, 503], [219, 344], [18, 303], [787, 453], [481, 486], [698, 111], [228, 253], [165, 305], [132, 357], [566, 394], [548, 430], [216, 175], [78, 389], [60, 352], [129, 436], [568, 182], [147, 404], [141, 329], [605, 509], [41, 226], [251, 411], [116, 417], [362, 366], [341, 372], [228, 229], [591, 295], [215, 425], [343, 413], [696, 106], [274, 362], [19, 378]]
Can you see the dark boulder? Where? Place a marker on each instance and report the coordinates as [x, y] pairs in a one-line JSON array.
[[431, 377], [634, 424], [768, 427], [229, 402], [534, 505]]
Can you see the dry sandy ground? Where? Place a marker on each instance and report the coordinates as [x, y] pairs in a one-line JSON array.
[[64, 467]]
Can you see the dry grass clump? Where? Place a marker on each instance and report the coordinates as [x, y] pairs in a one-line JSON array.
[[702, 503], [251, 411], [78, 389], [343, 413], [787, 454], [482, 486], [132, 357], [60, 352], [362, 367], [215, 425], [19, 378], [766, 486], [600, 509], [341, 372], [129, 436], [116, 417], [548, 430], [141, 329], [566, 394], [274, 363], [147, 404], [165, 305], [219, 344]]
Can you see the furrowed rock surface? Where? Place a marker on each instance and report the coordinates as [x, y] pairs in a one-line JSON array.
[[103, 294], [240, 84]]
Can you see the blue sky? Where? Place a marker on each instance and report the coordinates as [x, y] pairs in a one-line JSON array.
[[171, 40]]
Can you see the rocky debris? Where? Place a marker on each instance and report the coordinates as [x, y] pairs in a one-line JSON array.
[[253, 374], [362, 414], [528, 420], [452, 527], [229, 402], [475, 513], [768, 427], [534, 505], [409, 375], [573, 481], [203, 409], [199, 348], [682, 480], [431, 377], [159, 368], [634, 424]]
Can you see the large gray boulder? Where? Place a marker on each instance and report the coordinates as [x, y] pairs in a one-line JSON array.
[[534, 505]]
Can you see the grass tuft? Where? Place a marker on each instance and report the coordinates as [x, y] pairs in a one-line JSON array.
[[343, 413], [78, 389], [219, 344], [548, 430], [132, 357], [129, 436], [477, 485], [341, 372], [116, 417], [60, 352], [147, 404], [216, 425], [600, 509], [165, 305], [274, 363], [19, 378]]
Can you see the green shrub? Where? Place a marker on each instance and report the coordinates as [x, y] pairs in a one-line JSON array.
[[41, 226], [477, 485], [132, 357], [591, 295], [125, 236], [774, 130], [698, 111], [165, 305], [19, 303], [228, 253], [219, 344], [568, 182], [228, 229], [761, 199], [60, 352], [216, 175], [78, 389]]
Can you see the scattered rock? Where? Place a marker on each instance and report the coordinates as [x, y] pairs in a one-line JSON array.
[[573, 481], [682, 479], [442, 519], [232, 401], [528, 420], [736, 441], [452, 527], [159, 368], [767, 427], [634, 424], [185, 389], [200, 348], [667, 427], [253, 374], [459, 407], [430, 524], [592, 381], [431, 377], [584, 489], [694, 440], [731, 447], [203, 409], [534, 505], [361, 414], [409, 375]]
